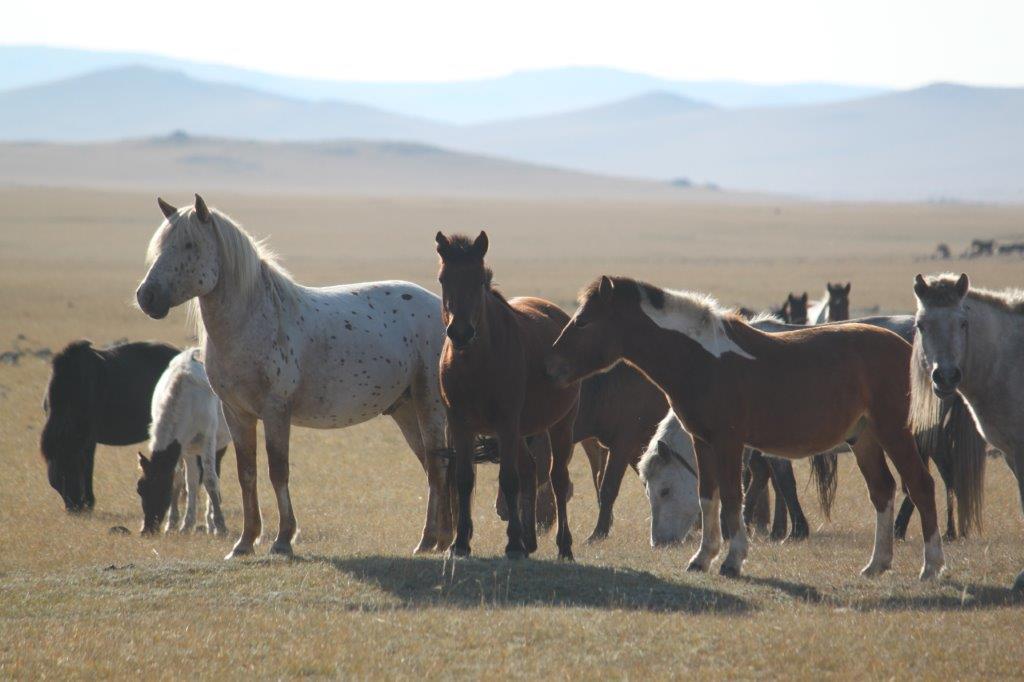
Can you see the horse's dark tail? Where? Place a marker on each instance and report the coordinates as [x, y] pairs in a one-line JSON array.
[[966, 450], [824, 471]]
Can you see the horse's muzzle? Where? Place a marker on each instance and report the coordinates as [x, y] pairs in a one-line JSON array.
[[946, 381], [152, 301]]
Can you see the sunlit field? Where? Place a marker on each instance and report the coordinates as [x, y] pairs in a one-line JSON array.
[[79, 602]]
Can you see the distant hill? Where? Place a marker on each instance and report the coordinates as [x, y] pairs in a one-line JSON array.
[[184, 162], [136, 101], [939, 142], [525, 93]]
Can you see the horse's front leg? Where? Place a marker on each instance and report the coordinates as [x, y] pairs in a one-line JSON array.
[[277, 424], [509, 442], [707, 488], [465, 476], [729, 463], [783, 478], [561, 454], [243, 433], [526, 469], [88, 462], [177, 488]]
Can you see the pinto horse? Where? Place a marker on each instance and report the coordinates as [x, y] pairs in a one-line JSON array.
[[493, 382], [794, 394]]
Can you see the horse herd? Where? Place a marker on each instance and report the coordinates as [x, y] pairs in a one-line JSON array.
[[709, 405]]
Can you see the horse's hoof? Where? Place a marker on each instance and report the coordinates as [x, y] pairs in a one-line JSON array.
[[874, 570], [238, 552], [799, 534], [456, 552], [515, 554], [696, 567], [729, 571], [930, 572], [1018, 585], [566, 555], [597, 536], [282, 548], [949, 537]]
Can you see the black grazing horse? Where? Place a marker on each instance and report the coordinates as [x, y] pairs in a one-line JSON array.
[[96, 396]]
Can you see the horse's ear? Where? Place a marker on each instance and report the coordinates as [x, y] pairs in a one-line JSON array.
[[920, 286], [962, 285], [202, 212], [143, 463], [828, 287], [846, 289], [606, 287], [442, 243], [804, 297], [165, 208], [480, 244]]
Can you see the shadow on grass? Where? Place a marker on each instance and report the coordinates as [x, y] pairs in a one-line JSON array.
[[955, 596], [496, 582]]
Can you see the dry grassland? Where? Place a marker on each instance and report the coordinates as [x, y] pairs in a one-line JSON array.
[[77, 602]]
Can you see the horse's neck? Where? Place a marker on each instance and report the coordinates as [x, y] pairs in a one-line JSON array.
[[496, 323], [667, 357], [991, 333], [228, 312]]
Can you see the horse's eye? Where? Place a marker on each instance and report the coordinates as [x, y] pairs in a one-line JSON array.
[[665, 492], [188, 245]]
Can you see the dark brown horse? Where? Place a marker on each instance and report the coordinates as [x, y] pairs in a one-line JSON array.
[[732, 385], [493, 382]]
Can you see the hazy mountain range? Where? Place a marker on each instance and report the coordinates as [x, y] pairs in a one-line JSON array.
[[940, 142], [526, 93]]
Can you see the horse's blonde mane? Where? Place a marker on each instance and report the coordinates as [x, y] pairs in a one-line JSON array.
[[697, 315], [765, 316], [943, 292], [247, 264]]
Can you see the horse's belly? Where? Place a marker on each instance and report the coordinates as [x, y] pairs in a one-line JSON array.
[[342, 398]]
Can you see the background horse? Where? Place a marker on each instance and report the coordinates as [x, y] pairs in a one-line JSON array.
[[834, 306], [96, 396], [969, 343], [668, 472], [189, 432], [493, 383], [287, 354], [732, 385]]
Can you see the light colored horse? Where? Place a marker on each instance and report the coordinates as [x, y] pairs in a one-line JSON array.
[[187, 438], [286, 354], [668, 470], [969, 342]]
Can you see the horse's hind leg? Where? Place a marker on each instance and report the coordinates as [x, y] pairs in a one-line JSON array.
[[881, 487], [597, 456], [192, 476], [277, 428], [707, 488], [211, 481], [243, 433], [177, 491], [902, 450], [561, 435], [755, 495], [624, 450], [950, 534], [903, 518], [409, 424]]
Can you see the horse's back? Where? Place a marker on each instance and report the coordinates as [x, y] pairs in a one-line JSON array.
[[131, 372], [539, 318]]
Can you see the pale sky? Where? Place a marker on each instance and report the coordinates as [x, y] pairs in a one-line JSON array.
[[898, 43]]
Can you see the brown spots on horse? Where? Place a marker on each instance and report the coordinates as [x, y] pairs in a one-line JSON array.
[[406, 297]]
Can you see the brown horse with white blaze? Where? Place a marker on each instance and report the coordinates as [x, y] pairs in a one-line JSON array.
[[793, 394], [493, 381]]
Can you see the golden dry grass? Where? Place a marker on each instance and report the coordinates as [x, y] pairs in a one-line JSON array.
[[76, 602]]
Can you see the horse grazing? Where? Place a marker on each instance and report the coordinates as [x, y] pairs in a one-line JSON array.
[[969, 342], [287, 354], [668, 472], [732, 385], [96, 396], [189, 431], [493, 382]]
